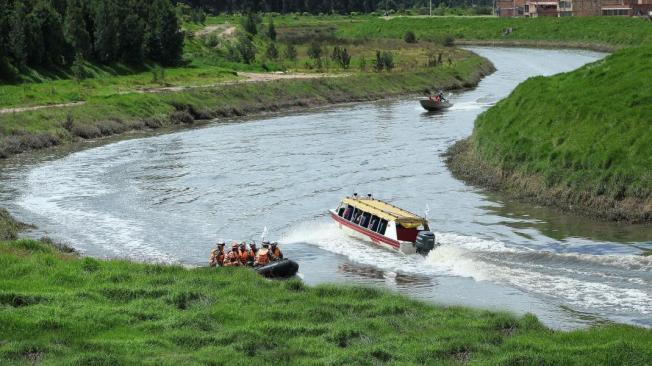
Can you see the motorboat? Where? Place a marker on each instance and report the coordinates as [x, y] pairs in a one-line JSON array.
[[384, 224], [436, 103]]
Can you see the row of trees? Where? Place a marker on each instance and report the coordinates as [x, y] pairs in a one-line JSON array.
[[45, 33], [325, 6]]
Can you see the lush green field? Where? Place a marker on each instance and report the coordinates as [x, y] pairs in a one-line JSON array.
[[61, 309], [587, 132], [614, 31]]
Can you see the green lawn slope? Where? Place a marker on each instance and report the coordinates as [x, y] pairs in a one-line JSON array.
[[580, 140], [591, 32], [62, 309]]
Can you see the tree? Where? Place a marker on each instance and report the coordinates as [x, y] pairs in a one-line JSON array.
[[271, 30], [17, 39], [106, 31], [131, 39], [250, 23], [75, 30], [246, 49], [163, 37], [78, 67], [48, 42]]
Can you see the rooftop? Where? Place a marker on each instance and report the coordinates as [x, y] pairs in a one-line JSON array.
[[385, 211]]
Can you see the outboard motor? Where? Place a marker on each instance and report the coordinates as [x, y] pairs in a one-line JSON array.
[[425, 242]]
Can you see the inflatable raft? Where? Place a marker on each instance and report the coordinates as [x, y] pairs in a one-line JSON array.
[[278, 269]]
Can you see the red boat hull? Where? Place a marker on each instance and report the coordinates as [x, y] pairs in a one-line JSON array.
[[373, 236]]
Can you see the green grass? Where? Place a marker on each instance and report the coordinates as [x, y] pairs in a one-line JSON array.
[[107, 115], [588, 130], [615, 31], [61, 309]]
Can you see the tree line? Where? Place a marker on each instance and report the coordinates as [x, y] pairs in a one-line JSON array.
[[325, 6], [55, 33]]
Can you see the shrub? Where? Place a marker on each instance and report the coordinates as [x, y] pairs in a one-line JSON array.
[[449, 41], [384, 61], [341, 57], [271, 52], [410, 37], [315, 51], [181, 117], [290, 53]]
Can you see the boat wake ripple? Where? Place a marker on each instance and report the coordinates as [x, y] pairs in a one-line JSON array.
[[580, 280]]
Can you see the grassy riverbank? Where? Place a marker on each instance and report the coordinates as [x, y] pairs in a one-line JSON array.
[[107, 115], [581, 141], [588, 32], [59, 308]]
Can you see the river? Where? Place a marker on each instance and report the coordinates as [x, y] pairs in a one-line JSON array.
[[169, 197]]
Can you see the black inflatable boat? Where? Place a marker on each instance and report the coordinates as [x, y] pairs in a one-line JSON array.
[[279, 269]]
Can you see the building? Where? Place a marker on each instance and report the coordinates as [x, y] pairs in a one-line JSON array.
[[534, 9], [562, 8]]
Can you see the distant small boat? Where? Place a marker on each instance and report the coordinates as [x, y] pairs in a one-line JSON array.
[[432, 104]]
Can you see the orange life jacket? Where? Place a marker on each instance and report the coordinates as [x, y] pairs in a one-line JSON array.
[[277, 253], [244, 256], [263, 256], [220, 258], [232, 259]]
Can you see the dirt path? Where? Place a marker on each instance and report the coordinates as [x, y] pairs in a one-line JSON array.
[[249, 77], [223, 31], [35, 108]]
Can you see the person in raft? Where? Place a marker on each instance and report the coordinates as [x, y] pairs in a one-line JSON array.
[[217, 256], [277, 255], [233, 258], [263, 256], [240, 256], [245, 255]]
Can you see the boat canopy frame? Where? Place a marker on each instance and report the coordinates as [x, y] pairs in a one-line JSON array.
[[387, 211]]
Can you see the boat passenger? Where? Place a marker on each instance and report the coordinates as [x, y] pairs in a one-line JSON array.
[[263, 255], [253, 251], [374, 224], [244, 253], [347, 212], [276, 252], [233, 258], [217, 256]]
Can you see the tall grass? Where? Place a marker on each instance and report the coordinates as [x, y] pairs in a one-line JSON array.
[[61, 309], [588, 131]]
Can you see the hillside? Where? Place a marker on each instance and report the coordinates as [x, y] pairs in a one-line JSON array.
[[580, 140]]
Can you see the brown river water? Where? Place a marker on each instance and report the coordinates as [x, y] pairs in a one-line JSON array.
[[170, 197]]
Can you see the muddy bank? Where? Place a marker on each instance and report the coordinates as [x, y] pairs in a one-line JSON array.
[[188, 106], [467, 165]]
